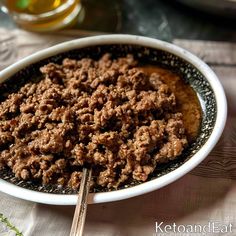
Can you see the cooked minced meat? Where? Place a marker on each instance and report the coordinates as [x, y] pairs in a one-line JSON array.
[[107, 114]]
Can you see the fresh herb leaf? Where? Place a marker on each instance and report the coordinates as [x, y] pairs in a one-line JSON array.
[[22, 4], [5, 221]]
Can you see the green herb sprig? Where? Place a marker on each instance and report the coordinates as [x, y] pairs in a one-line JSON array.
[[5, 221]]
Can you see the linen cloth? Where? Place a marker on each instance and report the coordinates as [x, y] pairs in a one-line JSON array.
[[205, 194]]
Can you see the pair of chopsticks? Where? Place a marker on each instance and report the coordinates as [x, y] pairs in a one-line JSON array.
[[77, 227]]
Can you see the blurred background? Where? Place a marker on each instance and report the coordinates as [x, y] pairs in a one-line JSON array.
[[162, 19]]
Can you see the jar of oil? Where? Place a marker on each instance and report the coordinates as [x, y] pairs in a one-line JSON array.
[[43, 15]]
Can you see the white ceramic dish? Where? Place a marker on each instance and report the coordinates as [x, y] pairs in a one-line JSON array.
[[157, 183]]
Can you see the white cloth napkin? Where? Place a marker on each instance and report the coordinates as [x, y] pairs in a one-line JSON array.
[[207, 194]]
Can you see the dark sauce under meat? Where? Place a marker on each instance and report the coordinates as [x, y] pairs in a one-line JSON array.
[[186, 99], [120, 119]]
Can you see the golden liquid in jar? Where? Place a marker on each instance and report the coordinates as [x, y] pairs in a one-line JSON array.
[[55, 19], [34, 6]]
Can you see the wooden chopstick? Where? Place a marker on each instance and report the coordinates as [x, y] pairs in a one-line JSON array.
[[77, 227]]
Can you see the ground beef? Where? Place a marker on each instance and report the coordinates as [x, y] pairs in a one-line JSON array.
[[107, 114]]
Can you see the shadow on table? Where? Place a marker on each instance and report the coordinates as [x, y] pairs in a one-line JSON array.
[[185, 197]]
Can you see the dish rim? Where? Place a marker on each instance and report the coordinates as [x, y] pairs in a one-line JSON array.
[[146, 187]]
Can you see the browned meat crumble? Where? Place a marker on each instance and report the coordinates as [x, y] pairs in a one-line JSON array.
[[107, 114]]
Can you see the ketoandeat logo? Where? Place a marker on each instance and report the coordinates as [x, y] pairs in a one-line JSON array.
[[210, 227]]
